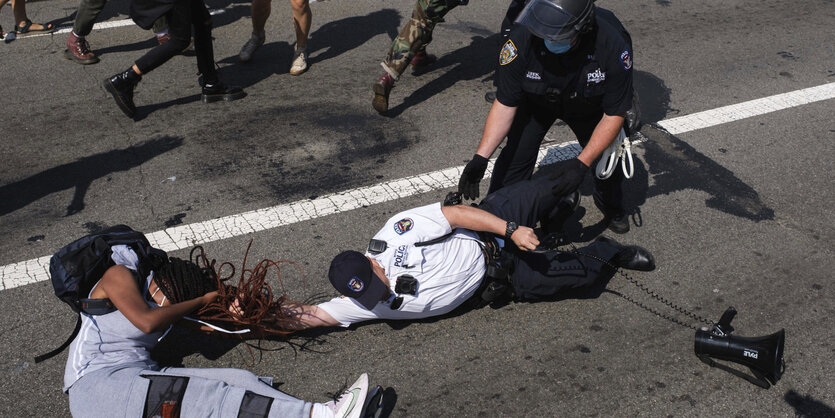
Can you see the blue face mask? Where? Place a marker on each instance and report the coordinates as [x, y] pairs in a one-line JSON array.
[[560, 47]]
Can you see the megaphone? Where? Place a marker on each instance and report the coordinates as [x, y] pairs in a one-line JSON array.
[[762, 355]]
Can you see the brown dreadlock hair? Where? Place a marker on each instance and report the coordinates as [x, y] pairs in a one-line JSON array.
[[256, 306], [182, 280]]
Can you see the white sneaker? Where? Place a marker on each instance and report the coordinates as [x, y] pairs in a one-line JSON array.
[[350, 404], [249, 48], [299, 62]]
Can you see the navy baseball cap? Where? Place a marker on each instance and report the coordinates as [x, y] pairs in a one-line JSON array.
[[351, 275]]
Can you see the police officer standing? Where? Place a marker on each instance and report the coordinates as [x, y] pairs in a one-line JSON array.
[[568, 60]]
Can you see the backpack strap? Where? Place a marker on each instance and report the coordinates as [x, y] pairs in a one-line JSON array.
[[97, 306], [56, 351]]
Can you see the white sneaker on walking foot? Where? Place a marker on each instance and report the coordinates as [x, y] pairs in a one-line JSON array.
[[249, 47], [299, 62], [351, 403]]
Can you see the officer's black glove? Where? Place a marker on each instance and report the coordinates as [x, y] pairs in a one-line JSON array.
[[471, 177], [567, 176]]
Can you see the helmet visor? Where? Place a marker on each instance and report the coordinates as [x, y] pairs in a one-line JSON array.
[[548, 20]]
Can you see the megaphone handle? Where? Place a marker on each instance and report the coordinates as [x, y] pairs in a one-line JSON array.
[[724, 324]]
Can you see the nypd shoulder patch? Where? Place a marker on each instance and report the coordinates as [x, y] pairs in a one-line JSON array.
[[508, 53], [403, 226], [626, 59]]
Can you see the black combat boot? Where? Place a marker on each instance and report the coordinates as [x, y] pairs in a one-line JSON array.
[[121, 87], [214, 90], [616, 218]]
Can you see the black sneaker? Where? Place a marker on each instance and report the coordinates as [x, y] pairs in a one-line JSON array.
[[219, 91]]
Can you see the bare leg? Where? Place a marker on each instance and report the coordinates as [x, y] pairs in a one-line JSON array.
[[260, 11], [302, 17], [19, 10], [3, 3]]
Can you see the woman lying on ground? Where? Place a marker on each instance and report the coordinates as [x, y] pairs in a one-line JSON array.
[[109, 367]]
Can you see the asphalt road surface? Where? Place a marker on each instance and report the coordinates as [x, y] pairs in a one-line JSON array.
[[737, 211]]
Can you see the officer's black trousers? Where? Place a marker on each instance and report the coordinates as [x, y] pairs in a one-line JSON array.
[[544, 275], [518, 158], [184, 15]]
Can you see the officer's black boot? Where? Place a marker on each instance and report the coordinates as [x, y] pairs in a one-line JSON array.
[[617, 218], [214, 90], [608, 197], [121, 86]]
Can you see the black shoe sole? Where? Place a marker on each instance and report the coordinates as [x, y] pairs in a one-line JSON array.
[[126, 109], [211, 98], [70, 56]]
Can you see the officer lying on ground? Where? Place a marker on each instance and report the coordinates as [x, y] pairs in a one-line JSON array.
[[429, 260]]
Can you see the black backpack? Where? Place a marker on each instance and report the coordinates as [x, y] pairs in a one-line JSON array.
[[77, 267]]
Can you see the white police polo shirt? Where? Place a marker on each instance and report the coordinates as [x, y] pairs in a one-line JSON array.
[[448, 273]]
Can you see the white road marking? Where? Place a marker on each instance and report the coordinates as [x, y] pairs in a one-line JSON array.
[[110, 24], [748, 109], [185, 236], [97, 26]]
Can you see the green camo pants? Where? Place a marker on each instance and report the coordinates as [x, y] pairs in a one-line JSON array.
[[415, 35]]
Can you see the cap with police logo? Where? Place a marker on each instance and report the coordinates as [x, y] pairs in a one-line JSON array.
[[350, 273]]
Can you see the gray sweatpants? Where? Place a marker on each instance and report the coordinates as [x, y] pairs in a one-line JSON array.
[[210, 393]]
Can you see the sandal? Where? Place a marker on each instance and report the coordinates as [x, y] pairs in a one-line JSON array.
[[27, 28]]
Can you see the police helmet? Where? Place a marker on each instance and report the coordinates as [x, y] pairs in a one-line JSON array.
[[557, 20]]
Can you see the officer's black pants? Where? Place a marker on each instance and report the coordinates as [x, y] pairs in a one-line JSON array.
[[518, 158], [184, 15], [543, 275]]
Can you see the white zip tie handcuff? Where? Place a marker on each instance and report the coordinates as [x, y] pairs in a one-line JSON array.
[[621, 149]]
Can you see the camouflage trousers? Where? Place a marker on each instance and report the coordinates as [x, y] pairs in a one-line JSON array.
[[415, 35]]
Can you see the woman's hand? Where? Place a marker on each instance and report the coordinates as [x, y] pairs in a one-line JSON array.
[[235, 308]]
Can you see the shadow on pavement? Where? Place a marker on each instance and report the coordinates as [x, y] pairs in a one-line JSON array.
[[673, 165], [340, 36], [468, 63], [329, 41], [806, 406], [80, 174]]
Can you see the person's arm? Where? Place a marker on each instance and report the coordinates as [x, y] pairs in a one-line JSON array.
[[495, 128], [119, 285], [604, 133], [480, 220], [309, 316]]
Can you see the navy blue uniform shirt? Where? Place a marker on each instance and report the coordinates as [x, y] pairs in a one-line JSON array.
[[596, 74]]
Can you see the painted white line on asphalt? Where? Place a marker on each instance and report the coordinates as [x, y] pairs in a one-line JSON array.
[[748, 109], [185, 236], [103, 25], [110, 24]]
